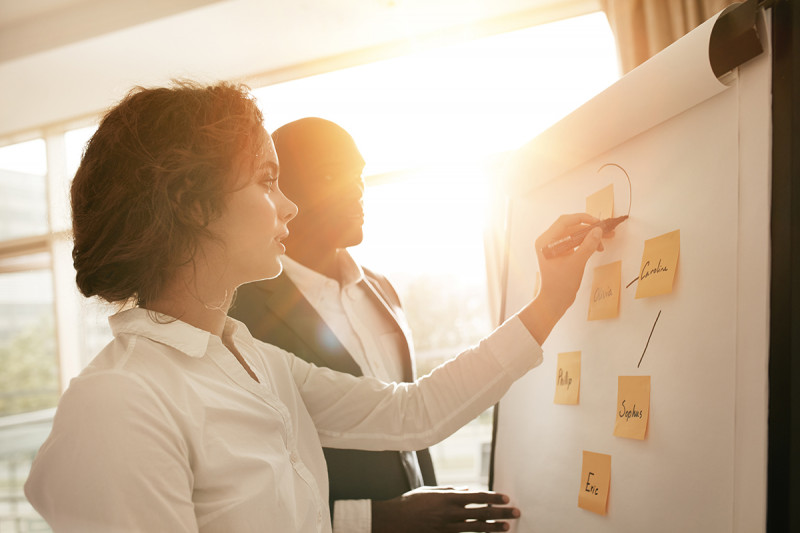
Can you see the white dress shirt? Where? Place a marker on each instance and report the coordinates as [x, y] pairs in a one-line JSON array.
[[165, 431], [371, 338]]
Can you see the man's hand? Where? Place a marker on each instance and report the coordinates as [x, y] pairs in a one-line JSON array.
[[440, 509]]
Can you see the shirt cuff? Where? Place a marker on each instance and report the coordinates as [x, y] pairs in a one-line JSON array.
[[352, 516], [513, 346]]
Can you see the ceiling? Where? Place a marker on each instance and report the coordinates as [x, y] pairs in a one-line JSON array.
[[61, 60], [31, 26]]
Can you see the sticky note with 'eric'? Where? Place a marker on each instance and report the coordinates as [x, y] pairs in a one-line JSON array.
[[595, 482]]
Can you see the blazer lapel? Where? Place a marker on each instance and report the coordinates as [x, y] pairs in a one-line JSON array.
[[284, 299], [384, 302]]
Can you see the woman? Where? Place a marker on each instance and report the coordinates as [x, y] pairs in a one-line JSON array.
[[184, 422]]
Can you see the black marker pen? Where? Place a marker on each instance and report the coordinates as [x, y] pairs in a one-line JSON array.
[[570, 242]]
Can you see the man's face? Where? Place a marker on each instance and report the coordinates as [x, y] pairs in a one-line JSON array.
[[336, 201], [330, 198], [322, 169]]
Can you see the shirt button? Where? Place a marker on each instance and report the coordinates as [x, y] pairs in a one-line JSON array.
[[293, 457]]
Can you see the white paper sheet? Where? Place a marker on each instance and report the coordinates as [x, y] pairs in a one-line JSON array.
[[702, 465]]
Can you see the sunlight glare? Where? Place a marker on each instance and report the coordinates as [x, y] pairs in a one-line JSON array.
[[427, 122], [433, 222], [465, 100]]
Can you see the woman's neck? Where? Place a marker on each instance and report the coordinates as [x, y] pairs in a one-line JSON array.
[[209, 315], [195, 307]]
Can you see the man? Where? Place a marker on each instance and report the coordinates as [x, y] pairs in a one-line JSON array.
[[330, 311]]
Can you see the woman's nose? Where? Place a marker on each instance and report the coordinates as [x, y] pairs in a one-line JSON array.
[[290, 209]]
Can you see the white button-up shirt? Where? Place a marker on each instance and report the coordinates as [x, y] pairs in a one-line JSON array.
[[166, 431], [374, 342]]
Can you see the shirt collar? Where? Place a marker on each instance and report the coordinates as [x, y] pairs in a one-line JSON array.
[[351, 271], [174, 333]]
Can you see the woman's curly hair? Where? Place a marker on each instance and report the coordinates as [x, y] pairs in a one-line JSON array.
[[152, 177]]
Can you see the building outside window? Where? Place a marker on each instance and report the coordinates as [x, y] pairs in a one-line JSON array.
[[29, 382]]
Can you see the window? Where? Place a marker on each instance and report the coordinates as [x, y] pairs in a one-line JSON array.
[[29, 381], [428, 125], [47, 332], [27, 340], [23, 191]]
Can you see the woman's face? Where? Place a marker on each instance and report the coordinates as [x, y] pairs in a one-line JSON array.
[[254, 223]]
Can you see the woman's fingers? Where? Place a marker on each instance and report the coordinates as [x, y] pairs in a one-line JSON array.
[[565, 225]]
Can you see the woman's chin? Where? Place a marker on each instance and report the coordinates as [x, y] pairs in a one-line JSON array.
[[274, 271]]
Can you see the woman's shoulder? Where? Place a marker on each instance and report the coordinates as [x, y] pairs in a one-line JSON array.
[[132, 370]]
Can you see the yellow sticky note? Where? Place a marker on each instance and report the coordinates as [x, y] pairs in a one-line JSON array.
[[633, 407], [604, 298], [568, 378], [601, 203], [595, 482], [659, 262]]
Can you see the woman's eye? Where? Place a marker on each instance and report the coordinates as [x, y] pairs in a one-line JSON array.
[[270, 183]]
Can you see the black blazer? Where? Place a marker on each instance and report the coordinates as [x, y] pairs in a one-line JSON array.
[[277, 313]]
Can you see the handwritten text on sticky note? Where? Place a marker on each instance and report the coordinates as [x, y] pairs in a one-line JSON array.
[[568, 378], [604, 298], [595, 482], [633, 407], [659, 262], [601, 203]]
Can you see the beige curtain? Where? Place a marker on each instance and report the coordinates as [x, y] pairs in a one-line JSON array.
[[645, 27]]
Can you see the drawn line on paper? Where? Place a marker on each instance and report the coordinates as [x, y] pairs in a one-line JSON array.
[[632, 282], [630, 186], [648, 339]]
